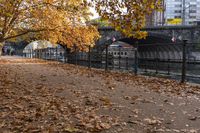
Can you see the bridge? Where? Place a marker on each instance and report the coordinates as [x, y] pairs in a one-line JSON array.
[[156, 35], [190, 33], [150, 47]]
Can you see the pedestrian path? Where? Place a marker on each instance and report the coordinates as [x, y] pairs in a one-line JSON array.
[[41, 96]]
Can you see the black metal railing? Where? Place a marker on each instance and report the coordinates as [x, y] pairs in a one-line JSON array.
[[182, 68]]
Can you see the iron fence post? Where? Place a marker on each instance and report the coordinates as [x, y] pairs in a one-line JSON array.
[[127, 63], [45, 53], [136, 59], [32, 51], [76, 59], [35, 53], [89, 57], [145, 65], [183, 77], [106, 65], [113, 62], [119, 57], [101, 59], [40, 53], [29, 54], [56, 53], [168, 67], [50, 53], [157, 59], [65, 54], [156, 65]]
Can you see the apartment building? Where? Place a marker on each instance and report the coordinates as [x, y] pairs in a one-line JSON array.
[[176, 12], [187, 11]]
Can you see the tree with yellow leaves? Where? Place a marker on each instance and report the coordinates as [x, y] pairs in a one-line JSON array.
[[58, 21], [63, 21], [127, 15]]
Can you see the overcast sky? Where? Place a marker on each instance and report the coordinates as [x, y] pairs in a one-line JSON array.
[[95, 13]]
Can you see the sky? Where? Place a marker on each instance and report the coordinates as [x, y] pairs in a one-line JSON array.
[[92, 9], [95, 13]]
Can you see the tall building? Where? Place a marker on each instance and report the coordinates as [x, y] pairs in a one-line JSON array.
[[156, 18], [185, 12]]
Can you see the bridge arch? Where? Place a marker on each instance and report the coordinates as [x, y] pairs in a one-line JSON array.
[[42, 48], [154, 46]]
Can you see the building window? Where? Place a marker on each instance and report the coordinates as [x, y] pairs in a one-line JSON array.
[[178, 5], [177, 11], [193, 17], [177, 16], [193, 6], [191, 22], [192, 11]]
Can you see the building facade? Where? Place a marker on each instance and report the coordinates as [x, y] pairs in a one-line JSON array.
[[182, 12], [156, 18], [176, 12]]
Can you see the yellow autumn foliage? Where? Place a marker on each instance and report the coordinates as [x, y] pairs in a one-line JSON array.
[[63, 21], [127, 15], [58, 21]]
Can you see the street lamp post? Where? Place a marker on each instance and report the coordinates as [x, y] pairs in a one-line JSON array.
[[183, 14], [184, 11]]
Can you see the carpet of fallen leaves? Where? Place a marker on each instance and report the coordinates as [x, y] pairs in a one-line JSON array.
[[41, 96]]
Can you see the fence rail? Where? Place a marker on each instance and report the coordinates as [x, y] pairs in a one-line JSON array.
[[182, 69]]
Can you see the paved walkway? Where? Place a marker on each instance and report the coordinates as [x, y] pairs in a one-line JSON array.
[[39, 96]]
